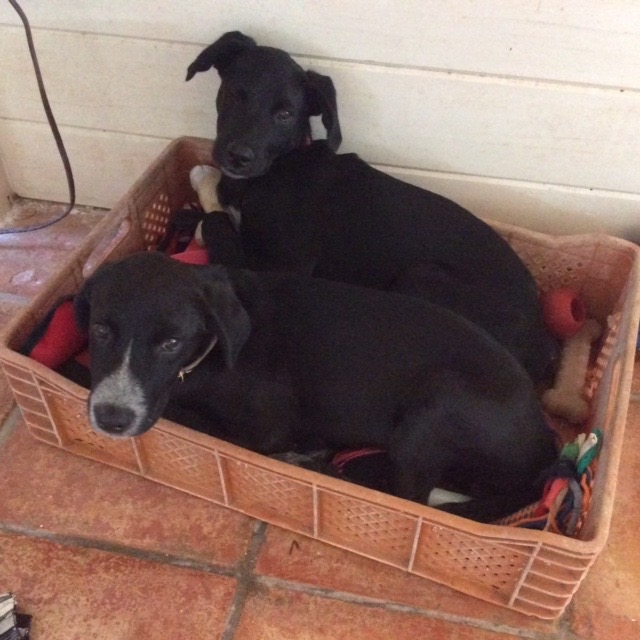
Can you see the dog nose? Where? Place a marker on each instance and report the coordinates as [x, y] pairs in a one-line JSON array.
[[112, 418], [240, 155]]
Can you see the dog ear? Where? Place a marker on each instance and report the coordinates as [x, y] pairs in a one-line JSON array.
[[221, 53], [321, 95], [229, 318], [82, 300], [82, 307]]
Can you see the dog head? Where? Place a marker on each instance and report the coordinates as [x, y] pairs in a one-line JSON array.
[[264, 104], [149, 320]]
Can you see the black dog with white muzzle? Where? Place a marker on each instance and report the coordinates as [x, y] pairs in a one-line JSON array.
[[273, 361]]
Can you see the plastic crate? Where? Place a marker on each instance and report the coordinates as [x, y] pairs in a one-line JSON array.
[[535, 572]]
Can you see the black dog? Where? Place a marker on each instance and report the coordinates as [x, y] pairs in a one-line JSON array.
[[271, 361], [307, 209]]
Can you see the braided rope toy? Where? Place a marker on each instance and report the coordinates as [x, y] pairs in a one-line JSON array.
[[565, 501]]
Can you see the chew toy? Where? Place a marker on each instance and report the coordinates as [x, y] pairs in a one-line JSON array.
[[565, 398], [564, 312], [564, 505], [59, 337], [204, 181], [192, 255]]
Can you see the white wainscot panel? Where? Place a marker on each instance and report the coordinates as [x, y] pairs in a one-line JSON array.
[[107, 164], [586, 41], [441, 122]]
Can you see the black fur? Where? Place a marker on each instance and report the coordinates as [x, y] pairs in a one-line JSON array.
[[308, 360], [264, 103], [310, 210]]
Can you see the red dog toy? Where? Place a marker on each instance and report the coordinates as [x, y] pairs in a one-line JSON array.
[[564, 312], [61, 339]]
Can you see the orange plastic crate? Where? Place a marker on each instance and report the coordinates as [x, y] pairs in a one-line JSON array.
[[535, 572]]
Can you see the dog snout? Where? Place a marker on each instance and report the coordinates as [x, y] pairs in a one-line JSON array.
[[113, 419], [240, 156]]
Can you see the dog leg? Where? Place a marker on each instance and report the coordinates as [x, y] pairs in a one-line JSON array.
[[277, 441], [204, 181], [218, 230], [492, 507], [418, 461]]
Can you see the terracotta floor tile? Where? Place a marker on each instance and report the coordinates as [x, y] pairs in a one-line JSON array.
[[77, 594], [607, 605], [8, 308], [315, 563], [274, 614], [55, 491], [29, 259]]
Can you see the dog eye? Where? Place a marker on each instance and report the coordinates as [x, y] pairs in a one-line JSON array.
[[284, 114], [101, 332], [170, 345]]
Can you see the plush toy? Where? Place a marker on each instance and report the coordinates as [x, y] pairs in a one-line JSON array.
[[565, 398], [57, 338], [192, 255], [204, 181], [564, 312]]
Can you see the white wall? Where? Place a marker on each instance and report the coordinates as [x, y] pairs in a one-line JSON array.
[[526, 111]]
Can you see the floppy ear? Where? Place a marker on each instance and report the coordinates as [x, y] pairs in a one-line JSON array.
[[229, 318], [82, 300], [82, 307], [221, 53], [321, 95]]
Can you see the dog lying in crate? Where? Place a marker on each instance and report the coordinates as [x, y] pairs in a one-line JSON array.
[[302, 207], [274, 361]]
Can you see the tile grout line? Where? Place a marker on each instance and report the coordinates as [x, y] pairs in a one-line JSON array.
[[110, 547], [246, 580], [344, 596], [565, 623]]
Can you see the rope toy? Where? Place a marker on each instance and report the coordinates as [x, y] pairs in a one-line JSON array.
[[567, 493], [565, 399]]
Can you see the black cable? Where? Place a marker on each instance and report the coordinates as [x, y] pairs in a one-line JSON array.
[[54, 130]]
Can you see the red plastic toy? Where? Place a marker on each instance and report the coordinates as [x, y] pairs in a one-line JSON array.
[[564, 312]]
